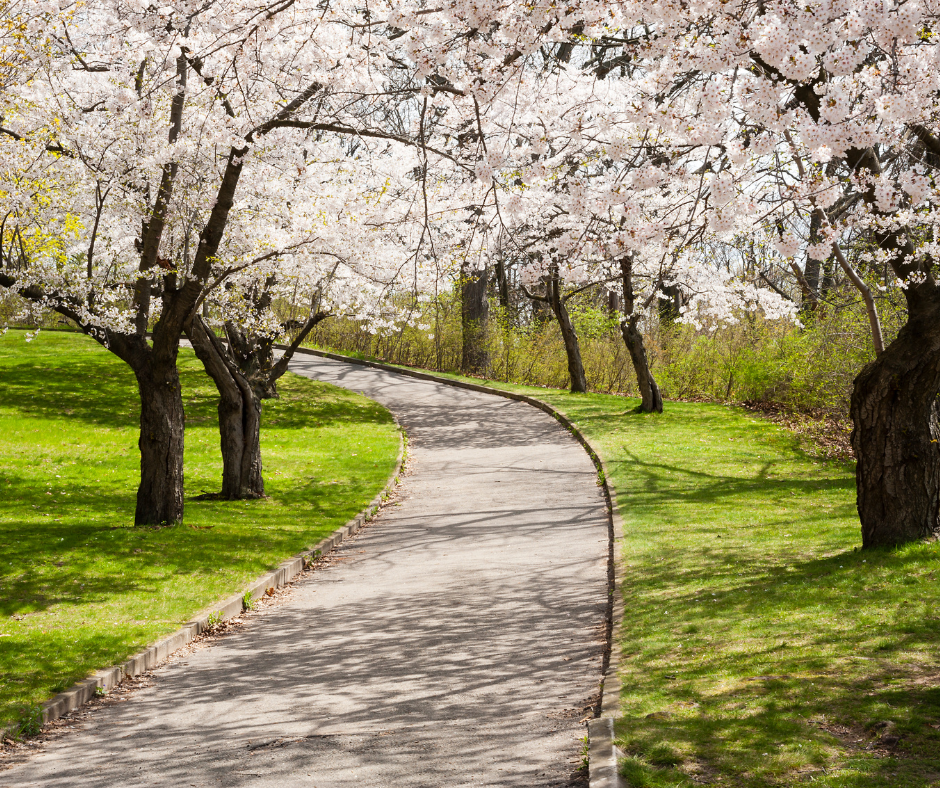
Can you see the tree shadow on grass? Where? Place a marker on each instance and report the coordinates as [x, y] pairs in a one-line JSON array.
[[809, 661], [77, 391], [655, 490]]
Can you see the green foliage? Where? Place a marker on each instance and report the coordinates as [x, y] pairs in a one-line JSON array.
[[530, 354], [806, 368], [80, 587], [28, 721], [248, 602]]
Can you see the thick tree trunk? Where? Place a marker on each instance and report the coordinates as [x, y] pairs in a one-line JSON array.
[[239, 416], [250, 473], [651, 401], [896, 437], [474, 357], [160, 495], [572, 346]]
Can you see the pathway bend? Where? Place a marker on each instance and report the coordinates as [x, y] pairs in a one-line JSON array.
[[457, 641]]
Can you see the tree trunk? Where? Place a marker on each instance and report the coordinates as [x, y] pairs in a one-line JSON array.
[[239, 416], [813, 271], [896, 437], [670, 304], [502, 284], [613, 302], [474, 357], [651, 401], [160, 495], [572, 347]]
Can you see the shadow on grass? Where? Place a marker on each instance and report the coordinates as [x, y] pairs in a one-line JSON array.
[[765, 670], [659, 480], [774, 734], [79, 585], [76, 390]]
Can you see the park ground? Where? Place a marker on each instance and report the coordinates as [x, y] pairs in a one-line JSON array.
[[761, 646], [80, 587]]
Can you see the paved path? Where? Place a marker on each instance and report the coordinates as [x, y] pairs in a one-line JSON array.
[[456, 642]]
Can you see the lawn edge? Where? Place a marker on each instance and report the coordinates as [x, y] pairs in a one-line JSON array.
[[602, 754], [104, 680]]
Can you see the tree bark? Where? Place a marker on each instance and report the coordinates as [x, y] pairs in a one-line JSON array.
[[502, 283], [239, 416], [651, 401], [474, 357], [245, 374], [896, 437], [162, 423], [670, 304], [569, 336], [813, 270], [613, 302]]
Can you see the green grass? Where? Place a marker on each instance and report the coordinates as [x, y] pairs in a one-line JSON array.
[[760, 646], [80, 587]]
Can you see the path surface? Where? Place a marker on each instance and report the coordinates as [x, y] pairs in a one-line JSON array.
[[456, 642]]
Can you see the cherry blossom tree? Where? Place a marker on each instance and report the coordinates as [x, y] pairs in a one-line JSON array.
[[170, 143], [792, 111], [611, 142], [362, 257]]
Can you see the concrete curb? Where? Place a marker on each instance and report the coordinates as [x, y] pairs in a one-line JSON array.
[[602, 752], [149, 658]]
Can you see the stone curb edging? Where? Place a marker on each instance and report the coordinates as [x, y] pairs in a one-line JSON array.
[[602, 752], [149, 658]]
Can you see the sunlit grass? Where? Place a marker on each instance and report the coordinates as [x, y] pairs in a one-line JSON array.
[[761, 646], [80, 587]]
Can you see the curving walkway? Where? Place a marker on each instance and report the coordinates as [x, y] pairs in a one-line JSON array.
[[456, 642]]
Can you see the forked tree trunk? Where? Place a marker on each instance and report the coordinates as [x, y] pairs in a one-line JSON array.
[[239, 416], [569, 336], [245, 373], [651, 401], [896, 437]]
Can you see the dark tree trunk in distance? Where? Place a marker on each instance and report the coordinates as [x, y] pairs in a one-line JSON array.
[[670, 303], [613, 302], [651, 401], [473, 312], [568, 335], [502, 283], [896, 437], [813, 271]]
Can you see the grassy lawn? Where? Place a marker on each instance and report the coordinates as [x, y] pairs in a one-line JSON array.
[[761, 645], [80, 587]]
